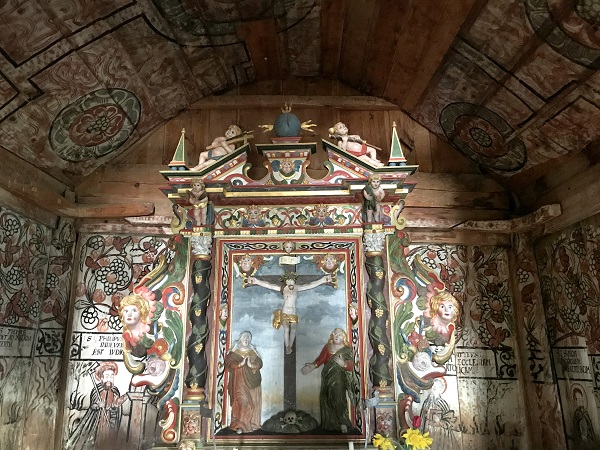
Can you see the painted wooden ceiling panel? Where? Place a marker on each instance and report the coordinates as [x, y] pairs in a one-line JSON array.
[[26, 30], [301, 27], [7, 92], [501, 32], [460, 81], [548, 72], [70, 16], [510, 84], [576, 125], [547, 148], [206, 68], [529, 111]]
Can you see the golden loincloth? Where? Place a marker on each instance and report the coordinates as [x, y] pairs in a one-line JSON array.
[[279, 317]]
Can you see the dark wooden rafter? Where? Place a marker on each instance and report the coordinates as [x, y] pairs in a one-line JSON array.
[[359, 20], [453, 16], [419, 25], [333, 13], [388, 28], [260, 37]]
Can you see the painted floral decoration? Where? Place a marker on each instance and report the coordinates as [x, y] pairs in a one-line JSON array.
[[160, 348], [97, 125]]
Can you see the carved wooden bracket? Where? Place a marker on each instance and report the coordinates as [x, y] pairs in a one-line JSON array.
[[516, 225]]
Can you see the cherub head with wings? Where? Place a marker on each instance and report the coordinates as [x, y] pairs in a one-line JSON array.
[[248, 264], [329, 263]]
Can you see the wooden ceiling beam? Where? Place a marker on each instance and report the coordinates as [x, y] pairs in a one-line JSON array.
[[348, 102], [24, 184], [577, 197], [434, 234], [468, 182], [457, 237], [522, 224], [37, 194]]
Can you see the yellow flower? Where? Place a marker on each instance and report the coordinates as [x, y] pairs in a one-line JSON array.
[[382, 443], [417, 440]]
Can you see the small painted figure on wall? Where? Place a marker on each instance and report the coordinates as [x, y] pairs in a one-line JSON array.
[[100, 425], [373, 194], [583, 433], [287, 316], [223, 315], [329, 263], [353, 144], [353, 312], [384, 422], [338, 381], [243, 363], [198, 198], [289, 247], [435, 343], [429, 346], [187, 445], [220, 146], [439, 420], [287, 171]]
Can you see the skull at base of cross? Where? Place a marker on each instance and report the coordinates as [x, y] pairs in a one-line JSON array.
[[290, 418]]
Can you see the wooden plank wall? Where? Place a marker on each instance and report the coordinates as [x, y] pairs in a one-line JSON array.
[[449, 188], [575, 184]]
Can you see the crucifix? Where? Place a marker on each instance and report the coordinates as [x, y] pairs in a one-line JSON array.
[[287, 318]]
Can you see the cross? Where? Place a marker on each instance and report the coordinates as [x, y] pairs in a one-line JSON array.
[[287, 317]]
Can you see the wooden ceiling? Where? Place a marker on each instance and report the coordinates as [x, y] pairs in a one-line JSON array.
[[512, 85]]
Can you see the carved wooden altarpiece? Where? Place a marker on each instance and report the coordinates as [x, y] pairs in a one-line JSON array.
[[254, 233]]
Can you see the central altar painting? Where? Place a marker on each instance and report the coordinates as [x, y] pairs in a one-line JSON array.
[[290, 351]]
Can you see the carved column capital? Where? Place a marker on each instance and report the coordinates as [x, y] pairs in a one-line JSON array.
[[374, 242], [201, 246]]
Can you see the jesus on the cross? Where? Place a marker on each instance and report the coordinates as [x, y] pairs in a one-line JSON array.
[[287, 316]]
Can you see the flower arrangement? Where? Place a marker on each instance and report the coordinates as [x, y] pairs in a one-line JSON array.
[[413, 440], [416, 440]]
